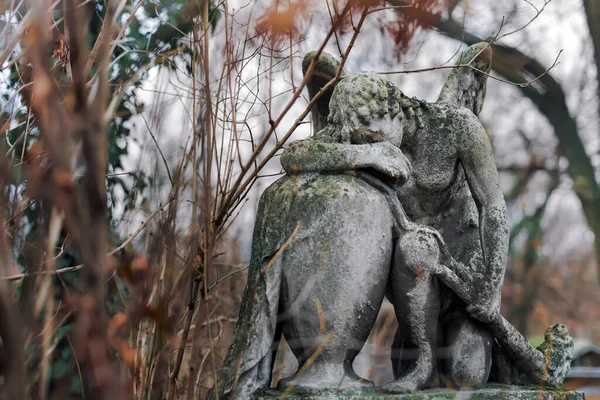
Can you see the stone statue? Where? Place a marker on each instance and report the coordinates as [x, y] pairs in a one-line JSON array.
[[335, 234], [454, 188]]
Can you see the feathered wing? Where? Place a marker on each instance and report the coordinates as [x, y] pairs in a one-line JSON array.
[[465, 86], [325, 69]]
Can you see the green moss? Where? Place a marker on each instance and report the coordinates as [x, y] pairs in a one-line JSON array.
[[491, 393], [327, 185]]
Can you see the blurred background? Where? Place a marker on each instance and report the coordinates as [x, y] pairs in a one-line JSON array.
[[148, 130]]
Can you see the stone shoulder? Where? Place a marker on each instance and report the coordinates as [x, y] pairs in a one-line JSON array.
[[466, 127]]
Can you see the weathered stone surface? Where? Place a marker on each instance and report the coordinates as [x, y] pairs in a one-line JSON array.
[[323, 291], [393, 196], [487, 393], [325, 67], [453, 187]]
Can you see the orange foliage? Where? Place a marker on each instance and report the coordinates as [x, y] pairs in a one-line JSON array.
[[284, 23], [412, 18], [281, 23]]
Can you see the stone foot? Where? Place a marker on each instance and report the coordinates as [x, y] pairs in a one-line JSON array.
[[418, 379], [318, 382]]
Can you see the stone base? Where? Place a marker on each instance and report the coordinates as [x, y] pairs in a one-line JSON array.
[[486, 393]]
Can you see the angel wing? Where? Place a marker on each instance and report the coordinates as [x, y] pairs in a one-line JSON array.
[[465, 86], [325, 69]]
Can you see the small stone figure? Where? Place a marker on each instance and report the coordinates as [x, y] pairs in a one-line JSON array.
[[332, 237]]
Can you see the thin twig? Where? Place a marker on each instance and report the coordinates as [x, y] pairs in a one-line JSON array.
[[239, 183], [522, 85], [80, 375], [164, 160], [194, 288], [308, 363], [141, 227], [17, 277], [538, 12], [237, 271], [233, 199]]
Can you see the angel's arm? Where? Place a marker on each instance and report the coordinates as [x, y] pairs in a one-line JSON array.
[[317, 156], [476, 157]]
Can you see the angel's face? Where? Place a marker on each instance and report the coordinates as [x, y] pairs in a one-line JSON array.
[[375, 128]]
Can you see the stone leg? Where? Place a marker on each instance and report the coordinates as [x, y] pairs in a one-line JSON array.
[[504, 370], [415, 295], [468, 351]]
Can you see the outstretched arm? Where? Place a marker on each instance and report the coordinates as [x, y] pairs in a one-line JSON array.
[[319, 156], [475, 152]]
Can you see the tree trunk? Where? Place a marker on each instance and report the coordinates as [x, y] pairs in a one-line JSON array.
[[592, 13]]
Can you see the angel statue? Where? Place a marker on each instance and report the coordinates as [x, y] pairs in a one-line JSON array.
[[396, 197]]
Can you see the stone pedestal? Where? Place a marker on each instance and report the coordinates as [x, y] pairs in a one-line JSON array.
[[487, 393]]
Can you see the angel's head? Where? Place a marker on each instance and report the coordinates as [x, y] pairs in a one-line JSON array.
[[367, 109]]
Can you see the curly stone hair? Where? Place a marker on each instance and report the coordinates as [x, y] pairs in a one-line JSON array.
[[359, 98]]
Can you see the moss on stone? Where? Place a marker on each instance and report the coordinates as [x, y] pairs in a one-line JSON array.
[[489, 393]]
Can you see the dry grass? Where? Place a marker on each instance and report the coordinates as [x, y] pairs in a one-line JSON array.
[[177, 295]]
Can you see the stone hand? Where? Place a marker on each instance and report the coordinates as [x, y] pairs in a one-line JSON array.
[[484, 308], [529, 359], [482, 303], [387, 159]]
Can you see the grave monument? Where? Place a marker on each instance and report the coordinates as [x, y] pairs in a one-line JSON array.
[[396, 197]]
